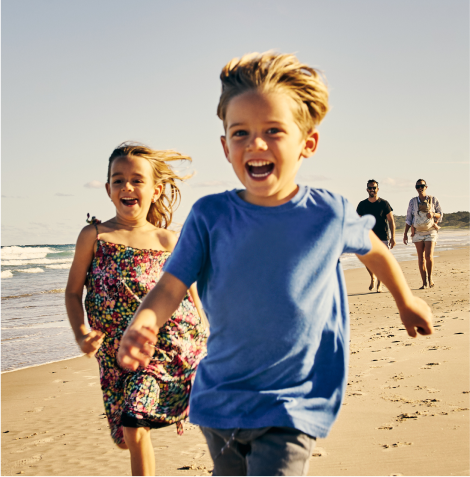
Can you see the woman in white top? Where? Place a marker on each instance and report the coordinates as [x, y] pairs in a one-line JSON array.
[[422, 214]]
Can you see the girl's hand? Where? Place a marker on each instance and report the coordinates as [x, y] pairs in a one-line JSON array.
[[137, 347], [430, 215], [91, 342], [417, 317]]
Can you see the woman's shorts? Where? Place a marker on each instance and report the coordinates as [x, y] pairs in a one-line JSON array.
[[425, 237]]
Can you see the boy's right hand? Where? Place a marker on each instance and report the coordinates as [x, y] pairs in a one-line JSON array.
[[137, 347], [91, 342], [417, 317]]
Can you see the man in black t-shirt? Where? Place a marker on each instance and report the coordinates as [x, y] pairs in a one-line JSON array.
[[382, 211]]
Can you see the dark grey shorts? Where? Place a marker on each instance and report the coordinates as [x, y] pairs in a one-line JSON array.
[[263, 451]]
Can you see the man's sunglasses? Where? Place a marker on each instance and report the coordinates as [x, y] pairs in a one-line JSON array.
[[371, 188], [421, 186]]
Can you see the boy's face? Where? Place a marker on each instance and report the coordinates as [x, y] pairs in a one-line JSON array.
[[265, 146]]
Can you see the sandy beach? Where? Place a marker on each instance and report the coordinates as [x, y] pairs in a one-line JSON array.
[[406, 410]]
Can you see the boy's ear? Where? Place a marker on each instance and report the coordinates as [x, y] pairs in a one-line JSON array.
[[310, 144], [223, 140]]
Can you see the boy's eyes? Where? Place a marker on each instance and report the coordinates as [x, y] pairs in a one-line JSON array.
[[242, 132]]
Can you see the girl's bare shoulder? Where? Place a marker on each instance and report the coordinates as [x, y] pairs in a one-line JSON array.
[[167, 238]]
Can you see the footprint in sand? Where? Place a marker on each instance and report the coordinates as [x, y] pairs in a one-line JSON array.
[[319, 452], [405, 417], [22, 463], [397, 444]]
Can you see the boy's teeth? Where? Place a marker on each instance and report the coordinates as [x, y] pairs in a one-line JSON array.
[[259, 169], [258, 163]]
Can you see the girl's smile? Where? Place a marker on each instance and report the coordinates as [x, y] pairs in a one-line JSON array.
[[129, 201]]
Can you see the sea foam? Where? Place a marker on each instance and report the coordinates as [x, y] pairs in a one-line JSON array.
[[30, 270], [24, 253]]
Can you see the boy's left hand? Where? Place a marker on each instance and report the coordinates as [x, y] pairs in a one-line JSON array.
[[417, 317]]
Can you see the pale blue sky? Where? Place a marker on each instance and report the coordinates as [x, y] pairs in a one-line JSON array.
[[81, 76]]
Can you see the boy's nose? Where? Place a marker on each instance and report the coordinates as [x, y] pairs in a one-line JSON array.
[[257, 144]]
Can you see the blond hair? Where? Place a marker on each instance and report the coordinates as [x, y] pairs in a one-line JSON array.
[[270, 71], [160, 213]]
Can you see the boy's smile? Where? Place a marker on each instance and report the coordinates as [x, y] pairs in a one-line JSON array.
[[265, 146]]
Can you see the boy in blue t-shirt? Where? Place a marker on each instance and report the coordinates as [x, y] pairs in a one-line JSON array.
[[266, 262]]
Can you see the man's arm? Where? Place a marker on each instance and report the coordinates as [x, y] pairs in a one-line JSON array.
[[138, 342], [391, 224], [414, 312]]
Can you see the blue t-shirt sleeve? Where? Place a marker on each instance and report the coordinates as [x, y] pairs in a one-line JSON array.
[[356, 230], [188, 257]]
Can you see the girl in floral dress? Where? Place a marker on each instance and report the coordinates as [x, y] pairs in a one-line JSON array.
[[119, 261]]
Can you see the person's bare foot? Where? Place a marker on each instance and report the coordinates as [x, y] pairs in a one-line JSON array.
[[425, 285], [379, 288], [372, 284], [431, 283]]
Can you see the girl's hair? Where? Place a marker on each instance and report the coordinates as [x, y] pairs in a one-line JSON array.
[[161, 212], [271, 71]]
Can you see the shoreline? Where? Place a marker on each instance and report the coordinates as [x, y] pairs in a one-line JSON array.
[[41, 364], [403, 264]]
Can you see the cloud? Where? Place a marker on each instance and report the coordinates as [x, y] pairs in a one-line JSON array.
[[94, 185], [397, 183], [11, 196], [59, 194], [452, 162], [212, 184], [314, 178]]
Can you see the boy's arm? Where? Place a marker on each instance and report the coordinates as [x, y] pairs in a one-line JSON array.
[[414, 312], [138, 342]]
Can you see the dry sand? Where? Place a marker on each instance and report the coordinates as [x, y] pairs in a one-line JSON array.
[[406, 411]]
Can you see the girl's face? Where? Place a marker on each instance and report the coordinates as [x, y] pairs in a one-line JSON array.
[[265, 146], [131, 187]]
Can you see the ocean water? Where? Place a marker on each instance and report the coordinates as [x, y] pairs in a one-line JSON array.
[[35, 327]]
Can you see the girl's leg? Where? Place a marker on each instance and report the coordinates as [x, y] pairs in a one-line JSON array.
[[141, 449], [429, 255], [421, 263]]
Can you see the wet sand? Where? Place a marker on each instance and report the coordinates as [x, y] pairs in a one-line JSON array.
[[406, 410]]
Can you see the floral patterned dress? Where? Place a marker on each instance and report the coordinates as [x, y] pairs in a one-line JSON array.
[[118, 280]]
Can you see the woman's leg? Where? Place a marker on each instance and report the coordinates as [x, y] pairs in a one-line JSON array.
[[372, 279], [429, 255], [141, 449], [421, 263]]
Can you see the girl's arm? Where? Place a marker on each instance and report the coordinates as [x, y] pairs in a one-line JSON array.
[[170, 243], [414, 312], [198, 305], [138, 341], [89, 341]]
